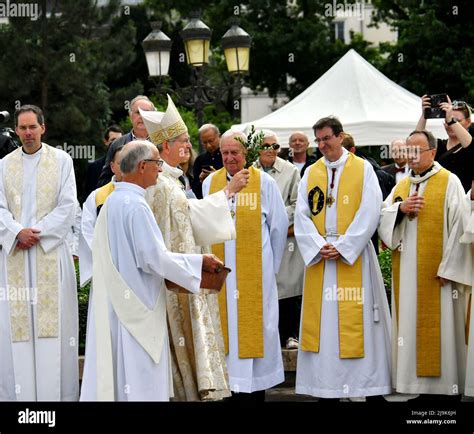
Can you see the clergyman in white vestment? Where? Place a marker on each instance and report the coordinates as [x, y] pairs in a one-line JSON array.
[[420, 222], [344, 345], [249, 305], [39, 316], [127, 333]]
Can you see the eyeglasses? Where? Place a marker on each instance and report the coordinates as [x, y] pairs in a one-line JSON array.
[[323, 139], [274, 146], [159, 163]]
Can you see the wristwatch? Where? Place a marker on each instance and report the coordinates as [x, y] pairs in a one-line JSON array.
[[452, 121]]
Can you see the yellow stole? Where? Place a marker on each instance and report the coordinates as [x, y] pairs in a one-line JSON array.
[[429, 252], [102, 194], [351, 314], [249, 267], [47, 265]]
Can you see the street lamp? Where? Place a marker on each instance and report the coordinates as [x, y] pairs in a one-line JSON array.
[[196, 36], [157, 47]]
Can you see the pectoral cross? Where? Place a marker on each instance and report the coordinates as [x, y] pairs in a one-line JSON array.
[[329, 201]]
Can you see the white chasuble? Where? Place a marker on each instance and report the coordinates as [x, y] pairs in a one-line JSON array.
[[198, 359], [324, 373], [403, 234], [253, 374], [39, 328], [134, 364]]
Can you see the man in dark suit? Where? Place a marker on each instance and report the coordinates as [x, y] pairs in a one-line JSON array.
[[94, 169], [138, 132], [210, 160], [399, 169]]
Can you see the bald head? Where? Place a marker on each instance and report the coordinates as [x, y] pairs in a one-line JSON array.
[[298, 143], [134, 152]]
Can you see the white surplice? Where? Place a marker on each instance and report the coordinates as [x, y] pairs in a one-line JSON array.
[[253, 374], [140, 256], [41, 369], [86, 235], [453, 348], [325, 374]]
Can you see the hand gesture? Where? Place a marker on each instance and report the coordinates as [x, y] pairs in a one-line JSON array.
[[412, 205], [238, 182]]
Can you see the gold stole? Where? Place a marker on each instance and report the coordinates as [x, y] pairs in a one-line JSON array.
[[103, 193], [350, 312], [249, 267], [429, 252], [46, 263]]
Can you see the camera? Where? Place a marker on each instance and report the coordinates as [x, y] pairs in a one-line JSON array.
[[4, 116], [435, 112], [7, 142]]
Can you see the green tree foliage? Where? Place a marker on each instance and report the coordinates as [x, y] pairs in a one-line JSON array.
[[434, 52]]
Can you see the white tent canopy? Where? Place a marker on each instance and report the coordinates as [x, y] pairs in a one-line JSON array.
[[371, 107]]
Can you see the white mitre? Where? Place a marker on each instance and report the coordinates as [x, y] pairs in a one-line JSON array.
[[163, 126]]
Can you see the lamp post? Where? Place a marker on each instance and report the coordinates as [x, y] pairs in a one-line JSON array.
[[197, 36]]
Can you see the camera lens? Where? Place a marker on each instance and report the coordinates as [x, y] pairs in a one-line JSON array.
[[4, 116]]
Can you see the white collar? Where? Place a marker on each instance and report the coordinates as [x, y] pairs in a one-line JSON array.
[[338, 163], [417, 179], [175, 172]]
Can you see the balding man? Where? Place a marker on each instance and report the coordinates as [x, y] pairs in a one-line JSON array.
[[419, 222], [399, 169], [249, 304], [299, 156], [128, 332], [210, 160]]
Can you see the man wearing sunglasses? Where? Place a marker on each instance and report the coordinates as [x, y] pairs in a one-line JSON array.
[[457, 152]]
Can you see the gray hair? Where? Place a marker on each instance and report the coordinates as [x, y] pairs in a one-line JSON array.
[[432, 142], [232, 133], [270, 133], [206, 127], [140, 98], [134, 152]]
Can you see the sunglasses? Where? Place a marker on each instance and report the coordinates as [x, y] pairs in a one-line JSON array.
[[462, 105], [274, 146]]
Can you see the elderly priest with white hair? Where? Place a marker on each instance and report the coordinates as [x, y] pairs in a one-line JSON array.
[[130, 354]]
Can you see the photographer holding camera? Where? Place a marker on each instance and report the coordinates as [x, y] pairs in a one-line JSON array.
[[457, 152]]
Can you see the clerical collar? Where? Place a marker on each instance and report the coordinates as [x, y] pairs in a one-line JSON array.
[[34, 153], [402, 167], [340, 162], [422, 173], [175, 172], [433, 170]]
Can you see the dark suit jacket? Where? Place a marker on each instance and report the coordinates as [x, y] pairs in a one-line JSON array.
[[93, 172], [390, 168], [106, 174]]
